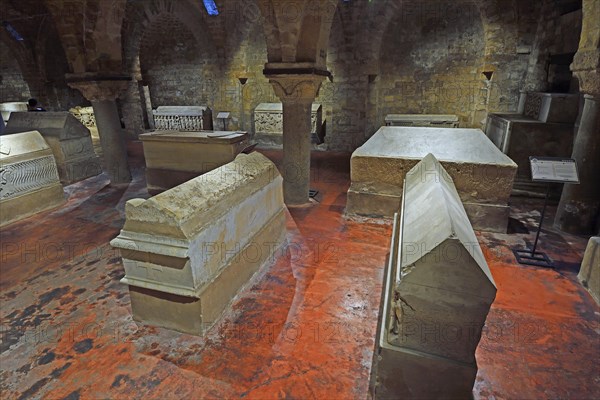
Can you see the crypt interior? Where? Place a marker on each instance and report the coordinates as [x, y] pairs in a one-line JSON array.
[[328, 199]]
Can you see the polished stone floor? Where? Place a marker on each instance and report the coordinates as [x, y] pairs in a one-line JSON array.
[[303, 328]]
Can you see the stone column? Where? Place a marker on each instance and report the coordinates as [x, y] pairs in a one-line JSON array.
[[297, 93], [580, 204], [579, 208], [103, 95]]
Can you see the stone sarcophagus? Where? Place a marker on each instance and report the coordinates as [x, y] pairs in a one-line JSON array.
[[173, 157], [69, 140], [589, 274], [483, 175], [8, 108], [180, 118], [437, 295], [268, 123], [552, 107], [189, 250], [520, 137], [422, 120], [28, 177]]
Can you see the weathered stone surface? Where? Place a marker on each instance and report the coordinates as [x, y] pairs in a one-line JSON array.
[[438, 293], [482, 174], [183, 118], [187, 251], [422, 120], [7, 108], [173, 157], [69, 140], [589, 274], [520, 137], [29, 180], [552, 107]]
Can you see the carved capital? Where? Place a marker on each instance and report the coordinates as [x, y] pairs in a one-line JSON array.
[[98, 88], [586, 67], [296, 88]]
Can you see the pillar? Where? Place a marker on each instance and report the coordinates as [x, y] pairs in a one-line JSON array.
[[579, 208], [103, 94], [580, 204], [297, 93]]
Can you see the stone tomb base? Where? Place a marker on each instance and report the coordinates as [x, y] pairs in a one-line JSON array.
[[29, 177], [483, 175]]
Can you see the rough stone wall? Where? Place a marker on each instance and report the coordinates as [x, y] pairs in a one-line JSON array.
[[464, 57], [12, 84]]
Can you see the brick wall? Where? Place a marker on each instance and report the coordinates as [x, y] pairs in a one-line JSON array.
[[12, 85]]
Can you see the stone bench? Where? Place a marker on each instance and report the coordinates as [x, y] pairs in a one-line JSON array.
[[173, 157], [182, 118], [189, 250], [422, 120], [437, 295], [29, 180], [268, 124], [483, 174], [69, 140]]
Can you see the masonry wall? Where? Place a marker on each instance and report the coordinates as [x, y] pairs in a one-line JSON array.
[[12, 85], [459, 57]]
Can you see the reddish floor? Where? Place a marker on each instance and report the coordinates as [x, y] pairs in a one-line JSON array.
[[303, 328]]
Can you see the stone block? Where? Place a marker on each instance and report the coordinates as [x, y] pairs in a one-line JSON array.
[[29, 180], [422, 120], [589, 274], [182, 118], [520, 137], [68, 138], [188, 251], [268, 123], [482, 174], [552, 107], [86, 116], [174, 157], [437, 294]]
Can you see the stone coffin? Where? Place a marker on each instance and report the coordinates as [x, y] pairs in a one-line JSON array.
[[552, 107], [7, 108], [589, 274], [173, 157], [520, 137], [437, 294], [422, 120], [268, 124], [483, 174], [189, 250], [28, 177], [69, 140], [180, 118], [86, 116]]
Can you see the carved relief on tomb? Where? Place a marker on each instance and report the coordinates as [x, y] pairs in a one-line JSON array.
[[271, 122], [178, 122], [533, 105], [27, 176]]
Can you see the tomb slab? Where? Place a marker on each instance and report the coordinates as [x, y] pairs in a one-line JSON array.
[[483, 175]]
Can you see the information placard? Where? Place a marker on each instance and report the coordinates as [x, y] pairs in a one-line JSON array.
[[553, 169]]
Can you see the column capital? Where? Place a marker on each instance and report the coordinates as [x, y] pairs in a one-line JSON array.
[[98, 88], [586, 67], [294, 88]]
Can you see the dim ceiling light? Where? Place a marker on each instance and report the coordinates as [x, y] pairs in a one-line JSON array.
[[211, 7]]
